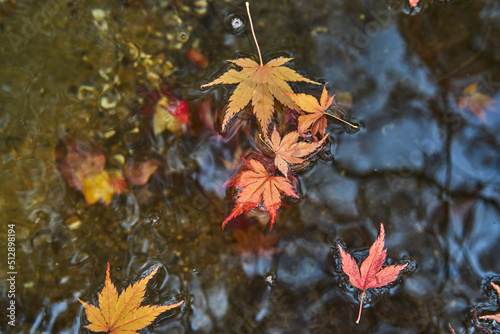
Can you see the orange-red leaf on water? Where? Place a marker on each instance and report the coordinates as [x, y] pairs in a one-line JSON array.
[[258, 186], [289, 150], [370, 275], [259, 84], [495, 317], [414, 3], [123, 313], [254, 242]]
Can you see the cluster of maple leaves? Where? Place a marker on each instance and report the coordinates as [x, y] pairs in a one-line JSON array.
[[260, 85]]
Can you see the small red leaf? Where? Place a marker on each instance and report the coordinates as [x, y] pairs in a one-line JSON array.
[[371, 276]]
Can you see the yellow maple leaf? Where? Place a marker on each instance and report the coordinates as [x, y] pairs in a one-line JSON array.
[[102, 186], [495, 317], [315, 112], [122, 313], [259, 83]]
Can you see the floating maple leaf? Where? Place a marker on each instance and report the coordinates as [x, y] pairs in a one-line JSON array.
[[123, 313], [257, 187], [495, 317], [371, 276], [252, 241], [315, 117], [414, 3], [289, 150], [259, 83], [476, 102]]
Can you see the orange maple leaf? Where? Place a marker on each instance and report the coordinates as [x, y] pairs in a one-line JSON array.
[[315, 117], [261, 84], [289, 150], [123, 314], [257, 187], [495, 317], [371, 276]]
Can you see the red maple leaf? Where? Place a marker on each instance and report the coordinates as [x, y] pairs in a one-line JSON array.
[[371, 276], [289, 150], [258, 186]]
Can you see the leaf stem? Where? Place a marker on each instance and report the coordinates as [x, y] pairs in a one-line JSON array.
[[360, 306], [269, 146], [253, 33], [340, 119]]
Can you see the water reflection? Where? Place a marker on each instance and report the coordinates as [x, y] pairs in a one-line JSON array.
[[422, 164]]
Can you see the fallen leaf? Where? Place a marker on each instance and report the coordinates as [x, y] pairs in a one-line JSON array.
[[170, 114], [315, 117], [254, 242], [451, 329], [371, 276], [77, 162], [102, 187], [83, 168], [476, 102], [495, 317], [289, 150], [138, 173], [197, 58], [123, 313], [258, 186], [413, 3], [260, 84]]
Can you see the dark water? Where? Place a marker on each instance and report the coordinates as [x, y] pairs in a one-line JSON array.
[[423, 164]]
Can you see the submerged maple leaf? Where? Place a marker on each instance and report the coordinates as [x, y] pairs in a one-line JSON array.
[[495, 317], [289, 150], [84, 170], [123, 313], [371, 276], [476, 102], [102, 186], [253, 241], [170, 114], [138, 173], [259, 83], [258, 186], [315, 117]]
